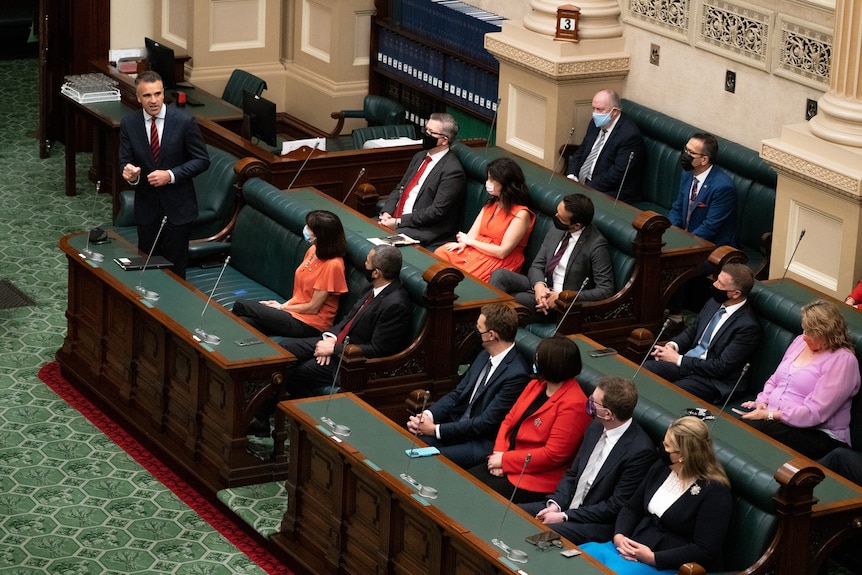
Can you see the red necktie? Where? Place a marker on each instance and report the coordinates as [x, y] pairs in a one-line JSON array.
[[399, 211], [154, 139], [346, 329]]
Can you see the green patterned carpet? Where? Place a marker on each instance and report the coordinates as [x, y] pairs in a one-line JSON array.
[[71, 500]]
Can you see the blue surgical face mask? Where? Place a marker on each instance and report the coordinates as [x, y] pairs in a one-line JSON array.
[[306, 234], [601, 120]]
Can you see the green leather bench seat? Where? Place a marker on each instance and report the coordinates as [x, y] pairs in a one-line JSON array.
[[216, 195], [664, 139]]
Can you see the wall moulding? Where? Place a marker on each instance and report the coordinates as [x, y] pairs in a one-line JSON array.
[[797, 166], [588, 67]]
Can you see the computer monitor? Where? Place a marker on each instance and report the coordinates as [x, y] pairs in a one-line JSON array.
[[161, 61], [258, 119]]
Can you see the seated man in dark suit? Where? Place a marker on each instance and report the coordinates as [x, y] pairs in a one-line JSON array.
[[612, 145], [575, 250], [426, 203], [844, 461], [377, 324], [464, 423], [611, 462], [707, 358]]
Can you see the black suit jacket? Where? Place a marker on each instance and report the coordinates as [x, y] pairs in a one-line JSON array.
[[383, 327], [182, 150], [619, 477], [730, 348], [591, 258], [436, 212], [623, 141], [491, 404]]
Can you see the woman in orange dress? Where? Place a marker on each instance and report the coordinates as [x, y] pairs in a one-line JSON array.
[[501, 230]]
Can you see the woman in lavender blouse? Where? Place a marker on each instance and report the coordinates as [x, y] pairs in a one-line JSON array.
[[805, 404]]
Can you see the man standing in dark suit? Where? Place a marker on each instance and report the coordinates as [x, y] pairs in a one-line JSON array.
[[707, 358], [611, 145], [378, 323], [464, 423], [706, 204], [575, 250], [161, 151], [611, 462], [426, 203]]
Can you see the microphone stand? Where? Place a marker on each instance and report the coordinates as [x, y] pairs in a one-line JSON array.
[[99, 232], [512, 554], [568, 309], [493, 123], [623, 181], [745, 369], [201, 334], [649, 351], [350, 191], [302, 167], [336, 428], [563, 151], [149, 294], [423, 490], [799, 241]]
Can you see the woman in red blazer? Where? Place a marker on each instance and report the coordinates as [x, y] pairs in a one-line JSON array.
[[547, 423]]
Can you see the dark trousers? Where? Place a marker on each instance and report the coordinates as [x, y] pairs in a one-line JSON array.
[[520, 287], [271, 321], [808, 441], [306, 378], [502, 485], [173, 244], [697, 386], [466, 454], [576, 532]]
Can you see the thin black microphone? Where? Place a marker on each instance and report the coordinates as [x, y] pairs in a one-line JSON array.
[[97, 234], [745, 369], [493, 123], [299, 171], [204, 336], [512, 554], [412, 451], [350, 191], [568, 309], [649, 351], [424, 490], [148, 294], [799, 241], [623, 181], [336, 428], [562, 151]]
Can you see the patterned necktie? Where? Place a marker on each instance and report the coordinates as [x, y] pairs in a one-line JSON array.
[[154, 139], [346, 329], [555, 261], [480, 383], [703, 345], [586, 172], [692, 196], [585, 481], [405, 193]]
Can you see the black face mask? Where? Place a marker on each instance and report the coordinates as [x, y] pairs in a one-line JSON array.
[[560, 225], [664, 456], [686, 161], [368, 273], [718, 295], [428, 141]]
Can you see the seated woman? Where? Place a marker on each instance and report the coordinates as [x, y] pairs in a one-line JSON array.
[[500, 231], [679, 514], [806, 403], [855, 297], [546, 424], [317, 284]]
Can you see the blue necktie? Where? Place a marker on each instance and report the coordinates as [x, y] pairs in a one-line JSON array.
[[703, 345]]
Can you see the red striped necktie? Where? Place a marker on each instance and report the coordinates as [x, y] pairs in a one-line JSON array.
[[154, 139]]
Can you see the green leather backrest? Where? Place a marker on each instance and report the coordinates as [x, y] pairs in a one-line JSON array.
[[215, 193], [380, 111], [239, 81], [362, 135]]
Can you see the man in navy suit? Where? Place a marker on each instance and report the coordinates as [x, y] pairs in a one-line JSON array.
[[612, 145], [707, 358], [426, 203], [611, 462], [378, 323], [160, 162], [573, 251], [464, 423], [706, 204]]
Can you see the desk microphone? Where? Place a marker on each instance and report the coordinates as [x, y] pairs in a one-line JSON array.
[[623, 181], [745, 369], [423, 490], [97, 234], [512, 554], [562, 151], [664, 326], [568, 309], [493, 123], [799, 241], [299, 171], [350, 191], [336, 428], [148, 294], [201, 334]]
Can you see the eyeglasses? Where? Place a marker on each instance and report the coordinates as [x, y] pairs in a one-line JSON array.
[[690, 152], [435, 134]]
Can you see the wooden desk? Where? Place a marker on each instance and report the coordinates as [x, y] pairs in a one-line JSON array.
[[193, 400], [349, 512]]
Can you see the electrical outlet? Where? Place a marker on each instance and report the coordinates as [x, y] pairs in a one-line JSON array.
[[810, 109], [730, 81], [654, 52]]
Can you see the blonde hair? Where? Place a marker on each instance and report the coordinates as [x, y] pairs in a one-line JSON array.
[[822, 319], [691, 437]]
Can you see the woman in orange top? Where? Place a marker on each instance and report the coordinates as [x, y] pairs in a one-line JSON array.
[[500, 231], [317, 284], [547, 423]]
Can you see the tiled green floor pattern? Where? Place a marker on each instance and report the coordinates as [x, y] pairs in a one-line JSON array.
[[71, 501]]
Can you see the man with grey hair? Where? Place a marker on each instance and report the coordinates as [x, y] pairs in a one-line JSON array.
[[425, 205]]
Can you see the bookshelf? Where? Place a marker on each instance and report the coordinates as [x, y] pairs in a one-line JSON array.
[[430, 56]]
